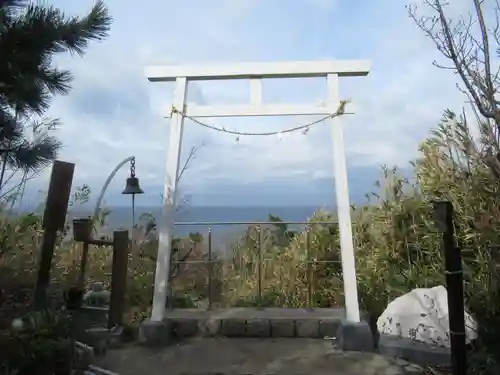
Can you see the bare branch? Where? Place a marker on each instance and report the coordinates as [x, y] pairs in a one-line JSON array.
[[466, 44], [191, 156], [185, 167], [5, 194], [486, 51], [470, 56]]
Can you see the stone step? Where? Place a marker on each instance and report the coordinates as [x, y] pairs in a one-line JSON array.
[[255, 322]]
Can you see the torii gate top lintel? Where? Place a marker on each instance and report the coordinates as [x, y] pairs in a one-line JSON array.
[[289, 69], [255, 72]]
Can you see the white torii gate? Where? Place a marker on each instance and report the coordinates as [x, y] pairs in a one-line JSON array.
[[332, 70]]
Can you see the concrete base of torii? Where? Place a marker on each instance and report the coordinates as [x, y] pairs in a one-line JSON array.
[[258, 322]]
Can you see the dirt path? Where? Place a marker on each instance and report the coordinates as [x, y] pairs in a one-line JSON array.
[[221, 356]]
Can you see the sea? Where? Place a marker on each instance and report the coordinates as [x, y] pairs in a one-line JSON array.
[[217, 218]]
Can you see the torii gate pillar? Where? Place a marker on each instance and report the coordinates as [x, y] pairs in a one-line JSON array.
[[332, 70]]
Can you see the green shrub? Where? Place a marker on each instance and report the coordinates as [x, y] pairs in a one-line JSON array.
[[44, 343]]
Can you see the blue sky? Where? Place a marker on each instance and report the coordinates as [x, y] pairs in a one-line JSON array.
[[114, 112]]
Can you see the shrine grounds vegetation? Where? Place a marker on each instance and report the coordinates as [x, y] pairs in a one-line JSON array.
[[397, 249]]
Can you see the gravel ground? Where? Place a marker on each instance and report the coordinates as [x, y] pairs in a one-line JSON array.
[[246, 356]]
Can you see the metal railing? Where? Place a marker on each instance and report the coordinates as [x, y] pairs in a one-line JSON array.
[[305, 229]]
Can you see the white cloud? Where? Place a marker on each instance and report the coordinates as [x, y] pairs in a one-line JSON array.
[[114, 112]]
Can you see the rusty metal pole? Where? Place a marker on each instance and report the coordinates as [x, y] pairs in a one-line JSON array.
[[210, 268], [118, 278], [259, 264], [309, 268], [54, 219]]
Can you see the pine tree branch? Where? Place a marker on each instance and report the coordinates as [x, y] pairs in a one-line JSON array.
[[29, 39]]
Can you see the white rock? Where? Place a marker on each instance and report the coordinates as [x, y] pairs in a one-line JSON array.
[[18, 324], [422, 315], [101, 371]]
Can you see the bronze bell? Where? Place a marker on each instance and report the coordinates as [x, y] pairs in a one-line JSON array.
[[132, 186]]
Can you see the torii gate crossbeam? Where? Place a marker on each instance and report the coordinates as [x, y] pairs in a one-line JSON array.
[[331, 70]]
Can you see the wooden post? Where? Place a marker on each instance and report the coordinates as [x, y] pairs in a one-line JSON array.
[[83, 264], [118, 278], [54, 219], [443, 214]]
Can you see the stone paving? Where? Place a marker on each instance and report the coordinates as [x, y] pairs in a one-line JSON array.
[[251, 356]]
